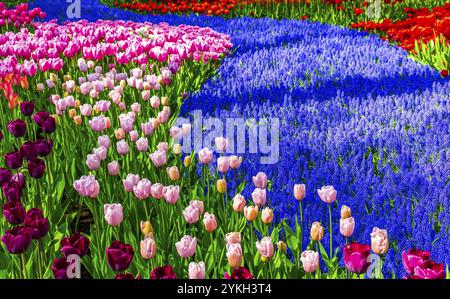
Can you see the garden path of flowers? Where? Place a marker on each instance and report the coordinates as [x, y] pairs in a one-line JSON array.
[[337, 92]]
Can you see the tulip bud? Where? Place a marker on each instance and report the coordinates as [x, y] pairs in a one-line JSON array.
[[123, 84], [165, 101], [251, 212], [119, 133], [77, 104], [173, 173], [238, 203], [67, 78], [187, 161], [234, 255], [40, 87], [176, 149], [53, 77], [72, 113], [299, 191], [221, 186], [317, 231], [77, 120], [267, 215], [146, 228], [379, 241], [346, 212], [282, 246]]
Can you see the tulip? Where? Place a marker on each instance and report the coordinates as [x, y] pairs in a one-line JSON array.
[[239, 273], [86, 110], [165, 101], [238, 203], [177, 149], [134, 136], [414, 258], [355, 257], [310, 261], [87, 186], [148, 248], [147, 128], [317, 231], [14, 212], [93, 161], [136, 108], [187, 161], [119, 256], [27, 108], [379, 241], [59, 268], [146, 228], [171, 194], [19, 178], [122, 147], [5, 176], [221, 144], [327, 194], [43, 147], [17, 128], [127, 276], [197, 270], [205, 156], [49, 125], [113, 168], [163, 146], [156, 191], [142, 144], [17, 240], [12, 191], [36, 168], [39, 225], [173, 173], [119, 133], [260, 180], [29, 150], [158, 158], [154, 102], [142, 189], [347, 226], [221, 186], [77, 120], [267, 215], [209, 220], [75, 244], [265, 248], [251, 212], [430, 270], [232, 238], [299, 191], [282, 246], [223, 164], [113, 214], [186, 246], [235, 162], [165, 272], [234, 254], [346, 212], [259, 197], [197, 204], [14, 160], [191, 214]]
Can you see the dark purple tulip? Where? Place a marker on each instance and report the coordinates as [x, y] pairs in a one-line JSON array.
[[75, 244], [14, 160], [49, 125], [14, 212], [17, 240], [5, 176], [17, 127], [239, 273], [44, 147], [29, 150], [59, 268], [164, 272], [36, 168], [12, 191], [40, 117], [27, 108], [119, 256], [19, 178], [37, 223], [127, 276]]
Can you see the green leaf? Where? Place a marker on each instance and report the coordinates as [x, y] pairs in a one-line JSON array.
[[4, 261]]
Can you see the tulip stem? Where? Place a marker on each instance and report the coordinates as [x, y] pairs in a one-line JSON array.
[[331, 233], [22, 259], [39, 258]]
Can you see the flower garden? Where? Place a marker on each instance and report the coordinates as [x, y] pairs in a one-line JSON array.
[[95, 181]]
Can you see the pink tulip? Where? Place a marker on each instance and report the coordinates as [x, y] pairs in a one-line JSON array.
[[221, 144], [122, 147], [191, 214], [126, 122], [133, 136], [113, 168], [209, 220], [136, 108], [171, 194], [158, 158], [299, 191], [98, 123], [86, 110], [205, 156], [327, 194], [148, 248], [103, 106], [147, 128], [163, 116], [235, 162], [163, 146], [310, 261], [186, 246], [232, 238], [265, 247], [239, 203], [198, 204], [104, 141], [154, 102], [131, 181], [157, 191], [93, 162], [379, 240], [234, 254], [347, 226], [100, 152], [87, 186], [197, 270], [259, 197], [142, 189], [142, 144], [260, 180], [113, 214], [146, 95], [223, 164]]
